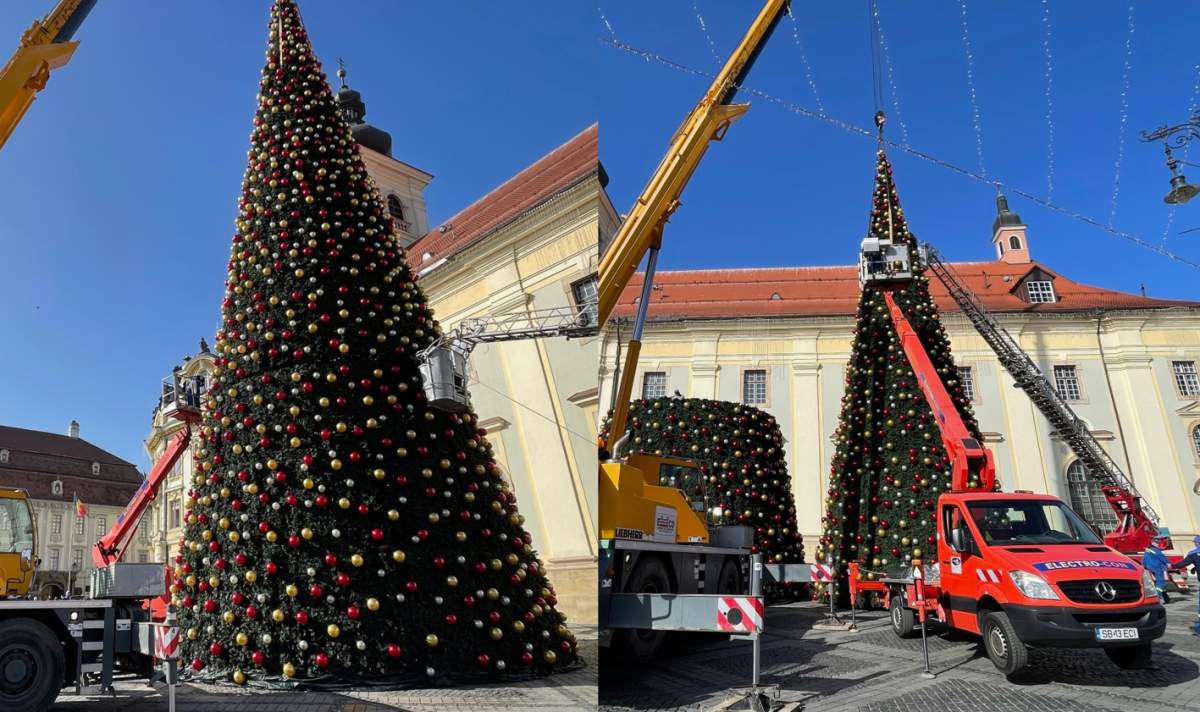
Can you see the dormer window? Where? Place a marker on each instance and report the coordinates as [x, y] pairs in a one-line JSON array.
[[3, 457], [1040, 292], [95, 468], [1014, 241]]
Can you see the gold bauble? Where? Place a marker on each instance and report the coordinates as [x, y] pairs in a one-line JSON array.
[[239, 677], [277, 615], [333, 631], [291, 590], [398, 556], [241, 639], [372, 604], [431, 640], [550, 656], [289, 670], [496, 634]]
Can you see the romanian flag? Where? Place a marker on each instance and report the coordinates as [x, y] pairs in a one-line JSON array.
[[80, 507]]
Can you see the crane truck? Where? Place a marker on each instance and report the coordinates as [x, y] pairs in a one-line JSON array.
[[1019, 569], [666, 564], [45, 46], [46, 645]]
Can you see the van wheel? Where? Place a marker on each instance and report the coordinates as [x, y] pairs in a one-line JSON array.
[[31, 665], [642, 645], [903, 618], [1134, 657], [1004, 648]]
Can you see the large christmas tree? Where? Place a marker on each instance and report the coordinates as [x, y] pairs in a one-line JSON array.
[[340, 528], [889, 464], [739, 452]]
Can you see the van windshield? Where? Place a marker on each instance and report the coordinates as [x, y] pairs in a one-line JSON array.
[[1015, 522]]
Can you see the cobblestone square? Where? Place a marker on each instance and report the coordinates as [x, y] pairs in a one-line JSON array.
[[575, 690], [872, 670]]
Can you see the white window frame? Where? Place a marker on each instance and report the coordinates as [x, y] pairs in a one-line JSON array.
[[967, 382], [1044, 294], [56, 522], [1187, 381], [79, 521], [1087, 500], [586, 293], [101, 525], [77, 558], [1077, 397], [748, 373], [646, 385], [55, 559], [1195, 433]]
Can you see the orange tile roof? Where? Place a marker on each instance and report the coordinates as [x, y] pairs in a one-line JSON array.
[[554, 172], [834, 291]]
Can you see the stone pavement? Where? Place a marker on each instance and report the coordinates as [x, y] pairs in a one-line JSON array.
[[570, 691], [874, 671]]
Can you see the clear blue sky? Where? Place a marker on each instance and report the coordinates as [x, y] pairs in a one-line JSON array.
[[787, 190], [120, 186]]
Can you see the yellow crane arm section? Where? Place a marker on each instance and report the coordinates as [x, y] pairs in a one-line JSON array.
[[642, 228], [45, 46]]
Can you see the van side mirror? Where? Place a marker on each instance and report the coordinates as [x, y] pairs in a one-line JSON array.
[[958, 539]]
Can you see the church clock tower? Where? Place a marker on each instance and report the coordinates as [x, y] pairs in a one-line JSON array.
[[401, 185]]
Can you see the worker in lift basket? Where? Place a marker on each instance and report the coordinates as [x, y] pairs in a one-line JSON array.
[[1192, 559], [1157, 563]]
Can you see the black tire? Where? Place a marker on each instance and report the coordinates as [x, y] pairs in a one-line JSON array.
[[1133, 657], [1004, 648], [904, 619], [641, 646], [31, 665]]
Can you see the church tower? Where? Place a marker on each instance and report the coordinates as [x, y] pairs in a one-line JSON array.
[[401, 185], [1008, 235]]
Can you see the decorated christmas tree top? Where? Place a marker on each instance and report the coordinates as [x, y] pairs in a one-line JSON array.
[[742, 466], [889, 465], [339, 528]]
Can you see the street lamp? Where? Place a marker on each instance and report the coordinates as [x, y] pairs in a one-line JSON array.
[[1176, 137]]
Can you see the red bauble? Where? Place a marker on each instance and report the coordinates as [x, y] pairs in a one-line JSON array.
[[483, 660], [321, 660], [526, 658], [343, 579], [215, 648], [394, 651], [302, 617], [352, 613], [197, 664], [377, 534]]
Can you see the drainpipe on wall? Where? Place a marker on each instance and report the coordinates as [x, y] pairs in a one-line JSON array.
[[1112, 397]]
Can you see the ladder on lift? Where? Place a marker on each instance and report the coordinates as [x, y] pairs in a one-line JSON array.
[[1029, 378]]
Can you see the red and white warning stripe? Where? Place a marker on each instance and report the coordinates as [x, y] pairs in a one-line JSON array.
[[166, 642], [820, 572], [986, 575], [740, 614]]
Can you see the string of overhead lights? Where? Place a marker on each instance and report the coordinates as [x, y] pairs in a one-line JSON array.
[[889, 70], [966, 38], [808, 73], [871, 134], [712, 47], [1192, 106], [611, 31], [1049, 101], [1112, 213]]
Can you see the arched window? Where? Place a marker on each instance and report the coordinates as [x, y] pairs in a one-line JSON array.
[[1196, 440], [395, 207], [1087, 500], [1014, 242], [95, 468], [3, 456]]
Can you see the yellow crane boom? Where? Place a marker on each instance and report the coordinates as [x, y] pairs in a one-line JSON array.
[[45, 46], [641, 232]]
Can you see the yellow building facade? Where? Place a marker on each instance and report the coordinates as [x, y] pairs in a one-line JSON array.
[[779, 339]]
